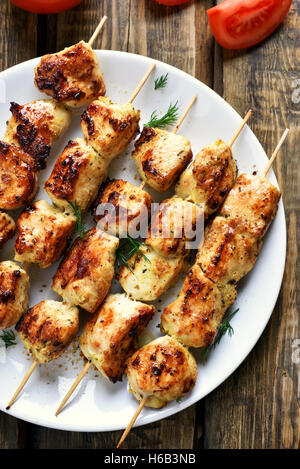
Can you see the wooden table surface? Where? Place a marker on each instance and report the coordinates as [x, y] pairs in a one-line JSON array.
[[259, 405]]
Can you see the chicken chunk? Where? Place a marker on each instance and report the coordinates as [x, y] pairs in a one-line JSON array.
[[85, 274], [109, 127], [7, 228], [110, 336], [162, 371], [14, 286], [18, 182], [121, 208], [76, 177], [160, 156], [150, 277], [194, 317], [43, 233], [48, 328], [253, 203], [72, 76], [228, 252], [209, 177], [35, 126], [175, 223]]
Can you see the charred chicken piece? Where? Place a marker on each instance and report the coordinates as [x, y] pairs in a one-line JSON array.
[[14, 286], [110, 335], [48, 328], [43, 233], [72, 76], [35, 126], [209, 178], [18, 181], [109, 127], [160, 156], [85, 274], [121, 208], [162, 371], [76, 177]]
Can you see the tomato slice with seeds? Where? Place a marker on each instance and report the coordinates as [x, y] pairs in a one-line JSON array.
[[237, 24]]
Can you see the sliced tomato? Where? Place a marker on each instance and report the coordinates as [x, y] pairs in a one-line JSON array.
[[172, 2], [46, 6], [237, 24]]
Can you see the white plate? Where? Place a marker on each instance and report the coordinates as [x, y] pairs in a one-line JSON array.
[[99, 405]]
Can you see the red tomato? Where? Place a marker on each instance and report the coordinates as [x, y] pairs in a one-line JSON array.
[[46, 6], [172, 2], [237, 24]]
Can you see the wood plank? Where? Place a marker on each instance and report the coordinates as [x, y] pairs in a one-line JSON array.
[[17, 45], [257, 407], [167, 433], [80, 23], [179, 36]]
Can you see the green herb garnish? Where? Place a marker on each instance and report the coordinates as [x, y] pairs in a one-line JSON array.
[[8, 337], [161, 82], [81, 229], [224, 327], [170, 117], [127, 248]]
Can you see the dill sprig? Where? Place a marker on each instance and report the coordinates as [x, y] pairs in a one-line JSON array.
[[81, 229], [224, 328], [127, 248], [170, 117], [161, 82], [8, 337]]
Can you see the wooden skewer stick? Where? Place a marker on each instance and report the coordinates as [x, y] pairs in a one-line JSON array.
[[237, 133], [141, 83], [132, 421], [272, 159], [73, 387], [174, 131], [21, 386], [143, 402], [97, 31]]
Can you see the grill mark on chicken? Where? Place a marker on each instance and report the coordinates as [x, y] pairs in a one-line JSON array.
[[53, 71], [34, 141]]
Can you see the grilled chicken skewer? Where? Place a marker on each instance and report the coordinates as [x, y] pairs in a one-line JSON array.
[[110, 337], [72, 76], [85, 274], [160, 156], [34, 127], [159, 372], [150, 361], [232, 242], [214, 173]]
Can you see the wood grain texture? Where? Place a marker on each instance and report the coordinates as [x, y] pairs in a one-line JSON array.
[[166, 434], [258, 407], [17, 44]]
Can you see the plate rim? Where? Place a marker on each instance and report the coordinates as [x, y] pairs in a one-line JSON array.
[[194, 398]]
